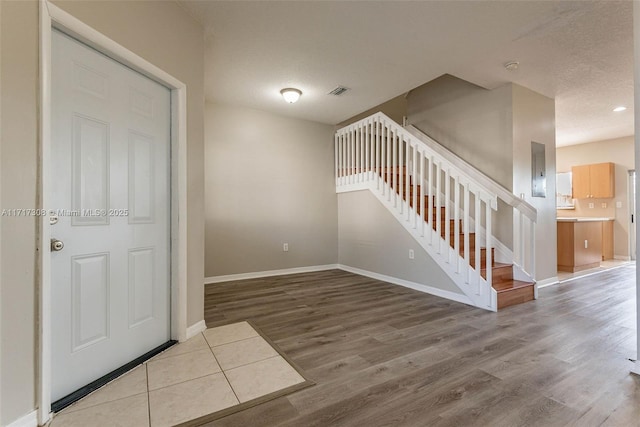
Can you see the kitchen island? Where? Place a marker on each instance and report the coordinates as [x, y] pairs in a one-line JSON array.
[[583, 242]]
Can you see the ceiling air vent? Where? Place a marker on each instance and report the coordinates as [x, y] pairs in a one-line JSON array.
[[338, 91]]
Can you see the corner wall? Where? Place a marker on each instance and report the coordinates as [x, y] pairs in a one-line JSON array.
[[157, 31], [269, 181], [534, 121]]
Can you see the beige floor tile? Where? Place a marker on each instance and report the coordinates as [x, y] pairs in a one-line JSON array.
[[189, 400], [243, 352], [184, 367], [130, 384], [193, 344], [229, 333], [131, 411], [264, 377]]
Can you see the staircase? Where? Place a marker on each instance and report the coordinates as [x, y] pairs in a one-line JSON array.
[[447, 205]]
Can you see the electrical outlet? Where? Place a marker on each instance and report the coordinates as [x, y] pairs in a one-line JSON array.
[[591, 205], [586, 244], [412, 255], [285, 247], [619, 205], [604, 205]]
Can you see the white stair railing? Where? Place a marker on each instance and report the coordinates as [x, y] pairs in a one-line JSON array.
[[440, 199]]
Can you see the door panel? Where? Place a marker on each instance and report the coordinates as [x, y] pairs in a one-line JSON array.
[[110, 187], [90, 299]]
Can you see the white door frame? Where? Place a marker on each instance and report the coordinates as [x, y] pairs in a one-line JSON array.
[[632, 212], [51, 17]]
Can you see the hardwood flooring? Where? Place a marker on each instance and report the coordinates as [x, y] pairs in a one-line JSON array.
[[384, 355]]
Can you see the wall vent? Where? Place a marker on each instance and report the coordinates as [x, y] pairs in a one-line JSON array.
[[338, 91]]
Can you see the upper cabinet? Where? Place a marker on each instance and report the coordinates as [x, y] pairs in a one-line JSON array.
[[595, 181]]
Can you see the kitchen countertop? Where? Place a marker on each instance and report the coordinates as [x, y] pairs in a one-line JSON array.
[[582, 219]]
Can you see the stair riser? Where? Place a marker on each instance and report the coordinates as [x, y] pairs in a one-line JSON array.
[[515, 296]]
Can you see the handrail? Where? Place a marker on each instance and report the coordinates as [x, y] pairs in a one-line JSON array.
[[488, 184], [507, 196]]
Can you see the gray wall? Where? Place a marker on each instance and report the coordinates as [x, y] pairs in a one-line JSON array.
[[473, 122], [18, 154], [372, 239], [157, 31], [269, 180], [534, 120]]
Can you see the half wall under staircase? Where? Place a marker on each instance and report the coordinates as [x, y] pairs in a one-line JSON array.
[[448, 206]]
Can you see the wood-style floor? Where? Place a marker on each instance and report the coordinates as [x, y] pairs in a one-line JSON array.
[[383, 355]]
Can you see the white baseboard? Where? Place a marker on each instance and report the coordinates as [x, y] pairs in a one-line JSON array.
[[29, 420], [196, 328], [268, 273], [547, 282], [408, 284], [622, 257]]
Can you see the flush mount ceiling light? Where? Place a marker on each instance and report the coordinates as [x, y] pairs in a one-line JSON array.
[[512, 66], [619, 109], [290, 94]]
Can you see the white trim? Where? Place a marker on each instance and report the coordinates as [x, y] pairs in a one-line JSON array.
[[52, 16], [622, 257], [196, 328], [408, 284], [29, 420], [268, 273], [636, 368], [0, 227], [592, 273], [547, 282]]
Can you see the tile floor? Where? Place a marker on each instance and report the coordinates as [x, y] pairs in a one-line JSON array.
[[604, 266], [214, 370]]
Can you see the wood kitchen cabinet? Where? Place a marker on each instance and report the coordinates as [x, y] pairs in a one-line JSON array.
[[607, 240], [579, 245], [595, 181]]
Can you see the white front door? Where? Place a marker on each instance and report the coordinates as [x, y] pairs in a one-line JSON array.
[[110, 188]]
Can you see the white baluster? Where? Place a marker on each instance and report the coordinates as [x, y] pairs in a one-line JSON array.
[[430, 201], [467, 238], [352, 156], [414, 164], [533, 249], [423, 212], [367, 150], [388, 171], [400, 171], [478, 217], [456, 218], [336, 160], [358, 136], [522, 241], [407, 180], [394, 175], [447, 212], [438, 205], [377, 138], [489, 256], [361, 157]]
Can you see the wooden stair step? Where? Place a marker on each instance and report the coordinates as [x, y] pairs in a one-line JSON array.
[[497, 270], [509, 285], [514, 292]]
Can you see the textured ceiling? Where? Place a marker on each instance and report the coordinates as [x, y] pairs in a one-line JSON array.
[[580, 53]]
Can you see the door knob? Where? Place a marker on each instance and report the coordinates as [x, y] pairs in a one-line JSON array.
[[56, 245]]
